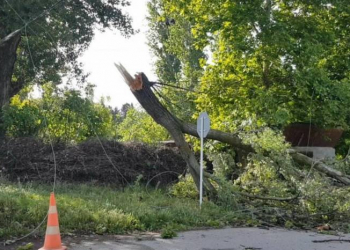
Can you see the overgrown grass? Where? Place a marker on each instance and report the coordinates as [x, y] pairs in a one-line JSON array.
[[91, 209]]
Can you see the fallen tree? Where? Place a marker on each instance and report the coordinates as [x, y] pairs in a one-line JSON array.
[[141, 88]]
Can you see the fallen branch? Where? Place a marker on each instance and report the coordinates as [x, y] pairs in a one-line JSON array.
[[269, 197], [321, 167], [282, 199], [331, 240], [236, 142], [217, 135]]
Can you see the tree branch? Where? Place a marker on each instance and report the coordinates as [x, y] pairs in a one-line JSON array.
[[331, 240], [320, 166], [217, 180], [269, 197]]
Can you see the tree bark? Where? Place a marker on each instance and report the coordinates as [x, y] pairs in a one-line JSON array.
[[8, 48], [217, 135], [140, 87], [321, 167]]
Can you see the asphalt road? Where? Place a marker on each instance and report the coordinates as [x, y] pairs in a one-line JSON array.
[[224, 239]]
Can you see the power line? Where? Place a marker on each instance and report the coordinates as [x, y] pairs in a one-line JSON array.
[[175, 87], [26, 23], [43, 13], [105, 151], [16, 12]]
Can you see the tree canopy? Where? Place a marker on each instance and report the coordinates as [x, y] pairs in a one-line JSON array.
[[56, 32], [177, 60], [273, 61]]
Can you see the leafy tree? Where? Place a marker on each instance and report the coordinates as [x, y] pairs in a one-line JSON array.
[[274, 61], [167, 65], [55, 33], [60, 115], [177, 60], [22, 118], [140, 127]]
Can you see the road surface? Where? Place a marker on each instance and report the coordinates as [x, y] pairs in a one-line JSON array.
[[223, 239]]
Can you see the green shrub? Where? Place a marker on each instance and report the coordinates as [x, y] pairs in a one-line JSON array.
[[185, 188], [168, 233]]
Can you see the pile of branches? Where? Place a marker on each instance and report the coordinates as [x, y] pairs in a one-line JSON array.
[[107, 162]]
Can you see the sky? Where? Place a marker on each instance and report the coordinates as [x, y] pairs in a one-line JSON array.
[[111, 47]]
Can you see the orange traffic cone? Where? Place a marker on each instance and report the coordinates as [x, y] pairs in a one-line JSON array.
[[52, 236]]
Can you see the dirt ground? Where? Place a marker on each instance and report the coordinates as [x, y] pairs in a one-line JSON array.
[[213, 239]]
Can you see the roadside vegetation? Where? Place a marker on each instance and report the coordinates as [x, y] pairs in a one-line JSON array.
[[87, 209]]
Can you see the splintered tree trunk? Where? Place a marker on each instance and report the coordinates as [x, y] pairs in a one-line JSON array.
[[8, 48], [140, 87]]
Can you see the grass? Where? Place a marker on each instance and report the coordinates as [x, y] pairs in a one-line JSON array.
[[104, 210]]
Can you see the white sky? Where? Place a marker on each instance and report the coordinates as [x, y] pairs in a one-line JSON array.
[[110, 47]]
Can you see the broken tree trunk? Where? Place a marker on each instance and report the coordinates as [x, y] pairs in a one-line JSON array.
[[140, 87], [8, 48]]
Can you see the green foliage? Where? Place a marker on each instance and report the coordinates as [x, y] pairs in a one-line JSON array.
[[177, 60], [270, 171], [22, 118], [340, 163], [274, 61], [261, 177], [168, 233], [28, 246], [138, 126], [62, 115], [223, 162], [265, 140], [274, 174], [57, 33], [289, 224], [323, 198], [185, 188]]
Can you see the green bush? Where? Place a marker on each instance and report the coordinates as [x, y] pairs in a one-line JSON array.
[[138, 126], [168, 233], [185, 188], [61, 115]]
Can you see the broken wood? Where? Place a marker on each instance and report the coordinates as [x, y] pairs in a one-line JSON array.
[[269, 198], [331, 240], [320, 166], [140, 87]]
